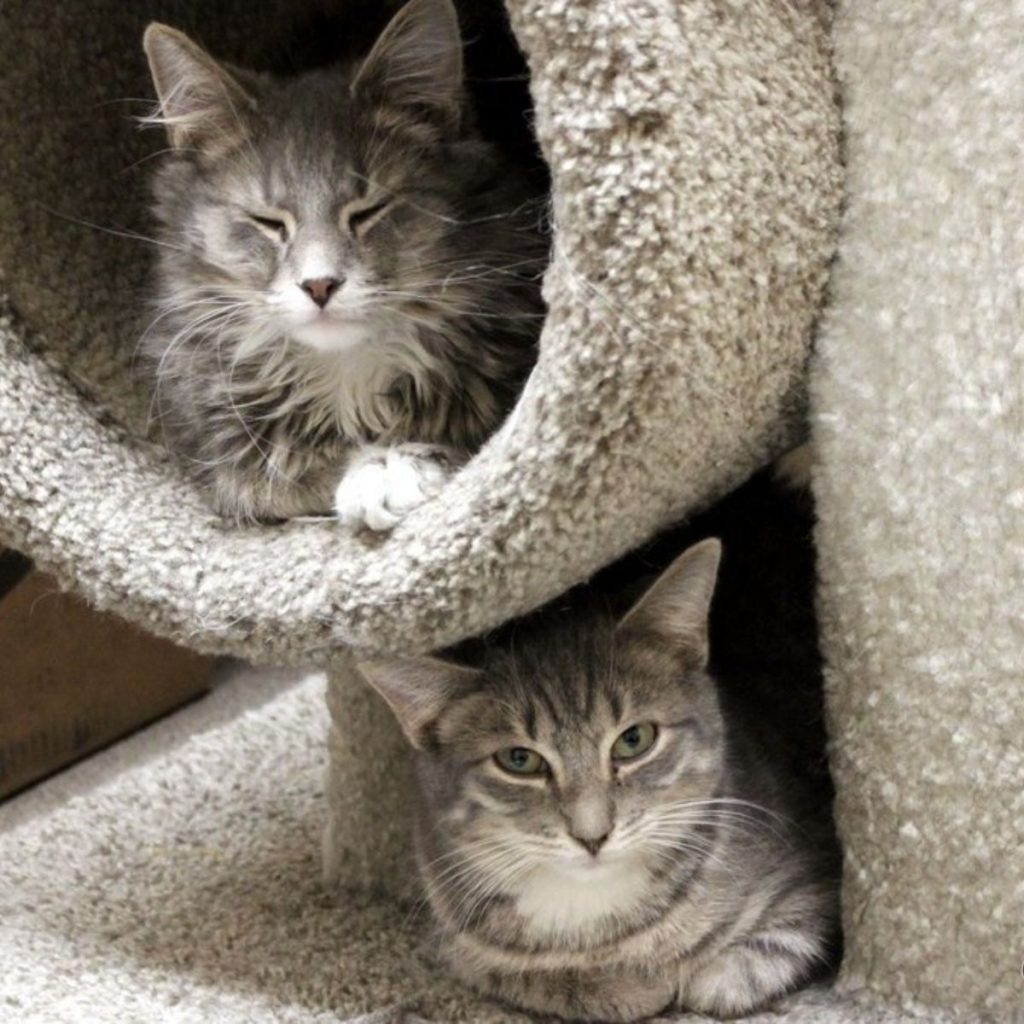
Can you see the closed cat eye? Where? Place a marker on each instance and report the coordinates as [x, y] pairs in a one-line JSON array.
[[271, 225], [634, 741], [363, 217], [521, 761]]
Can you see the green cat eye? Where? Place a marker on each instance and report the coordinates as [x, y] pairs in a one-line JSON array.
[[634, 741], [521, 761]]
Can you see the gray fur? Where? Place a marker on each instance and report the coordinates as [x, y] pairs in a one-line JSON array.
[[701, 875], [440, 293]]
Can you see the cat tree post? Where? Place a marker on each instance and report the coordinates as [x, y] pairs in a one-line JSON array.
[[368, 837], [919, 428]]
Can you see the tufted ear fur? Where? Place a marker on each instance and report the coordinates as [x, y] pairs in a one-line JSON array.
[[675, 608], [417, 61], [203, 106], [418, 689]]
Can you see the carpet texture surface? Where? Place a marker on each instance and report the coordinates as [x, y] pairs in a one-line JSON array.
[[174, 878], [918, 395], [694, 152]]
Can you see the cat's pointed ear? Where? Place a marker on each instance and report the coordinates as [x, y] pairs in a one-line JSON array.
[[417, 61], [418, 689], [203, 106], [675, 608]]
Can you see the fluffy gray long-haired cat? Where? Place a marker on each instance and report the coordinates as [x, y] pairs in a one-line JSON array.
[[349, 275], [606, 832]]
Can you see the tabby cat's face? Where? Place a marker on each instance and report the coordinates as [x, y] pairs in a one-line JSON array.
[[572, 775], [584, 791], [320, 207]]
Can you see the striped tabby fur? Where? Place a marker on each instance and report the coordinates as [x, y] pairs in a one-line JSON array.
[[700, 875]]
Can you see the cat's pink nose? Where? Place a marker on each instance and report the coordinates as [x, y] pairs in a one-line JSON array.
[[320, 289]]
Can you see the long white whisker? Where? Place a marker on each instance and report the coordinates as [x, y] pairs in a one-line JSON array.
[[135, 236]]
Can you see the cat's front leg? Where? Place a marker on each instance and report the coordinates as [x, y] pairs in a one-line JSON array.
[[250, 487], [382, 484]]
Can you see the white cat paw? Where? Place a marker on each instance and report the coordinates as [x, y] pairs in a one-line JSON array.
[[383, 485]]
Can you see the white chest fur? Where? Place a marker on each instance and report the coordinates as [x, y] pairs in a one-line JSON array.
[[556, 900]]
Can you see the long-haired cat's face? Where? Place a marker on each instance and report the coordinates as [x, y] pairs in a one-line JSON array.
[[321, 208], [572, 772]]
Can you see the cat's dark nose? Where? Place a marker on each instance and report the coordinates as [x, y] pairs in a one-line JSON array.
[[320, 289], [592, 844]]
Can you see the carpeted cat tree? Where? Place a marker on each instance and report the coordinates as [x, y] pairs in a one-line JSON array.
[[694, 149]]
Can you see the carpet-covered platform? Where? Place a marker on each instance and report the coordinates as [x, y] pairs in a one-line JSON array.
[[174, 879]]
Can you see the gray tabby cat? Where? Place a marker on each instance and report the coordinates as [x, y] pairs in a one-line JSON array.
[[349, 275], [606, 833]]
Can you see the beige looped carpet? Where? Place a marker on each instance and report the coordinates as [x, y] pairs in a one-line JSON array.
[[174, 879]]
